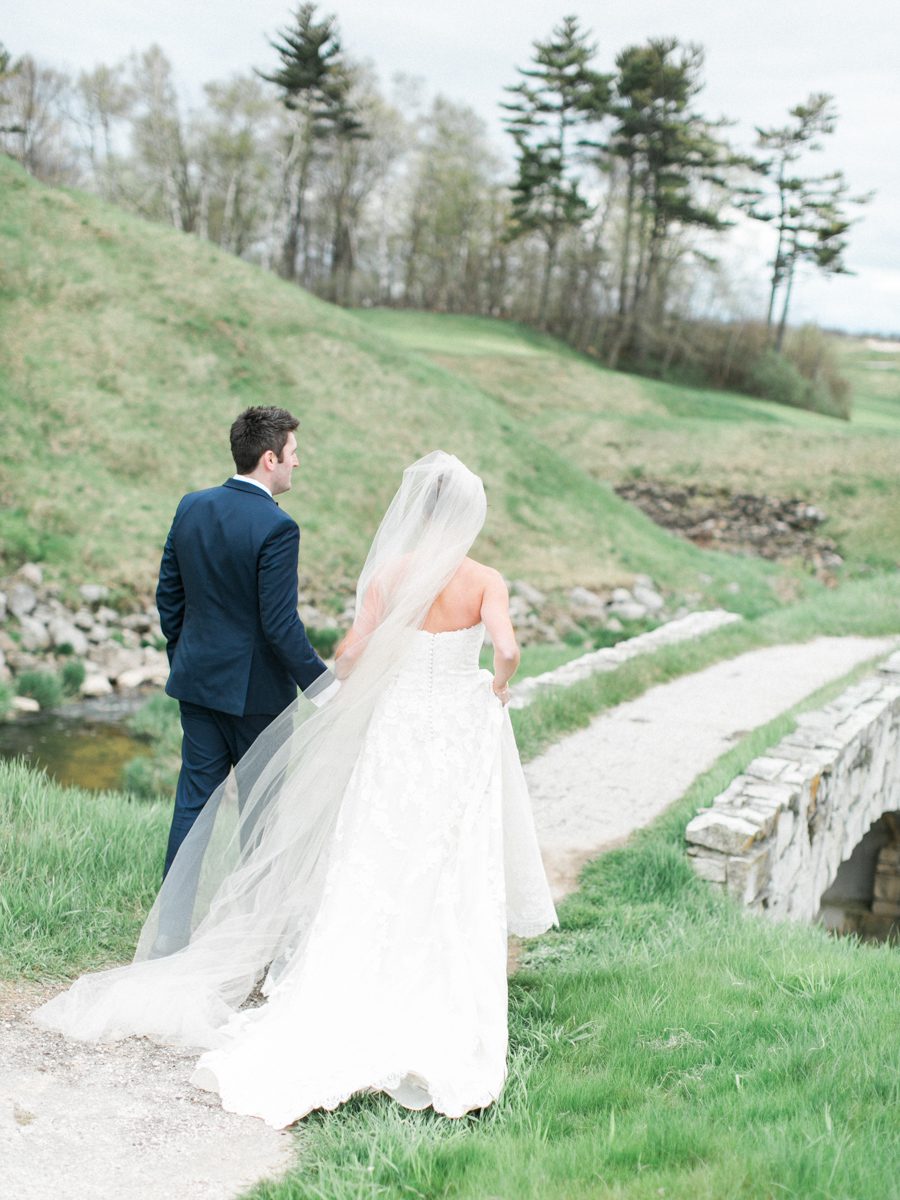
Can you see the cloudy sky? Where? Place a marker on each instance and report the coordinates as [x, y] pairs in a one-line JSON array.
[[762, 58]]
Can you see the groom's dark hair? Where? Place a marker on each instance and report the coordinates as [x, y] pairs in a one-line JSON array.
[[257, 430]]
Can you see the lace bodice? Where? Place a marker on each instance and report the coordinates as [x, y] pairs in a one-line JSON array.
[[443, 656]]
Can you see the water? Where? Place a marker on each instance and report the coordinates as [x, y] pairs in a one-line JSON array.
[[85, 745]]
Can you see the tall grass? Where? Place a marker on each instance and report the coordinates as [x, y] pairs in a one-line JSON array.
[[79, 871]]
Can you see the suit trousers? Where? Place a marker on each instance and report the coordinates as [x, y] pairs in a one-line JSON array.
[[212, 742]]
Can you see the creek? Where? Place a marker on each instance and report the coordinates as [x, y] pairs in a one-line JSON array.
[[83, 745]]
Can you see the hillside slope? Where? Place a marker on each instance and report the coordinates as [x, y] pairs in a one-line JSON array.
[[620, 427], [128, 348]]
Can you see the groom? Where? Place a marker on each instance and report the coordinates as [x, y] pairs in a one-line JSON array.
[[227, 600]]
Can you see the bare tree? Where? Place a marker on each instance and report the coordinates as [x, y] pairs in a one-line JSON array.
[[35, 118]]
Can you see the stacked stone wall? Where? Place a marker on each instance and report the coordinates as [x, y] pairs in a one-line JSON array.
[[778, 833]]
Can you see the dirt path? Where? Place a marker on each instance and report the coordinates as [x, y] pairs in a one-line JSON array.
[[116, 1122], [121, 1122], [592, 789]]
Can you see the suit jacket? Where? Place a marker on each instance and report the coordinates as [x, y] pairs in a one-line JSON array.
[[227, 600]]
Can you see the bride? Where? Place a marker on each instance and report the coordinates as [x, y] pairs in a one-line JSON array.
[[365, 862]]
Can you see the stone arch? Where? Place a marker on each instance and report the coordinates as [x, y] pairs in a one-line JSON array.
[[779, 833]]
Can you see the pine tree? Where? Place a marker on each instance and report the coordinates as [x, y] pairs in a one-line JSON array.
[[556, 99], [808, 210], [314, 82], [670, 153]]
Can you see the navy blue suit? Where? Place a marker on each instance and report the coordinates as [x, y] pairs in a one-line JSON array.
[[227, 600]]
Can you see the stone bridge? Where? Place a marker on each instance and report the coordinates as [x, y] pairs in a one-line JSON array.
[[811, 829]]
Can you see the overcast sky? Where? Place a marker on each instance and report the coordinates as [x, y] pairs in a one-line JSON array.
[[763, 57]]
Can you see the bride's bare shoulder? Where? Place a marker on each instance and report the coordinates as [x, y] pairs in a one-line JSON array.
[[481, 573]]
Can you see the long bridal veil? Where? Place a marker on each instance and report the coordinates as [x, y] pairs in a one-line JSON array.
[[245, 885]]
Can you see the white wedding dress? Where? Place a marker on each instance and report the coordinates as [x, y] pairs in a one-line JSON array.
[[399, 984]]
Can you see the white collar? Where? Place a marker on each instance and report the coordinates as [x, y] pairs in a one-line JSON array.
[[255, 482]]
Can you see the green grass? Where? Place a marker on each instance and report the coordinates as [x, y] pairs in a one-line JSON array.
[[79, 869], [136, 346], [617, 427], [662, 1043]]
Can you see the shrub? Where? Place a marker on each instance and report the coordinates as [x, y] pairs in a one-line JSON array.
[[72, 677], [323, 640], [157, 721], [43, 686], [154, 775], [814, 355], [151, 777], [774, 377]]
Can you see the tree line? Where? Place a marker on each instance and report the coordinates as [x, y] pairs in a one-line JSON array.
[[607, 232]]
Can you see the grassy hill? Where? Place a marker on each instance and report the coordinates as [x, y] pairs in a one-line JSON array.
[[618, 427], [128, 349]]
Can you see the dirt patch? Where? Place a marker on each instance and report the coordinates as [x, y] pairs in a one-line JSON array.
[[716, 518], [118, 1121]]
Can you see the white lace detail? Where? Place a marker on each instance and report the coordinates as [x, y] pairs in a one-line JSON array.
[[400, 985]]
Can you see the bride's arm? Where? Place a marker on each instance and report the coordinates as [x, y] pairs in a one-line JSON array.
[[351, 645], [495, 615]]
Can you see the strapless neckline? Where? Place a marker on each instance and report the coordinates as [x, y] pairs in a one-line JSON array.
[[447, 632]]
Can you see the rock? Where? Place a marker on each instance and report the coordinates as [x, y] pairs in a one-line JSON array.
[[615, 625], [22, 600], [721, 831], [95, 685], [84, 620], [93, 593], [519, 609], [535, 598], [21, 660], [139, 622], [2, 606], [154, 635], [97, 634], [63, 633], [621, 596], [732, 588], [129, 680], [130, 638], [628, 610], [155, 666], [650, 599], [113, 659], [107, 616], [587, 602], [710, 867], [745, 875], [34, 634], [25, 704], [31, 573]]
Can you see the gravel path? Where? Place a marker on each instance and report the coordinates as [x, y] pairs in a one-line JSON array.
[[121, 1122], [592, 789], [116, 1122]]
